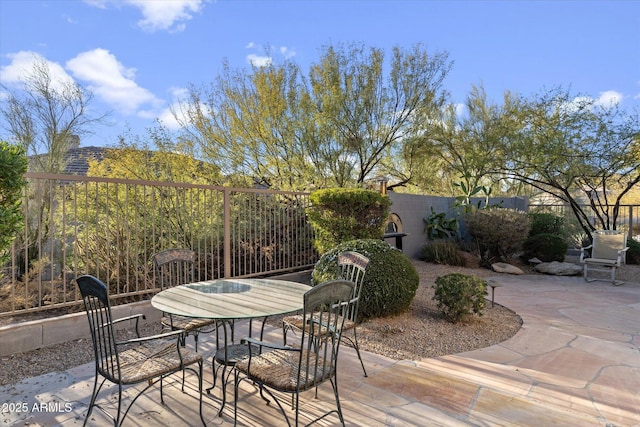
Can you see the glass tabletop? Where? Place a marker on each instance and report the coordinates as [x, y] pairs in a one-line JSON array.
[[232, 298]]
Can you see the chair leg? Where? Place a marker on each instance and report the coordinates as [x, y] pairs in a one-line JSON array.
[[195, 339], [92, 402], [200, 372], [118, 421], [357, 347], [284, 334], [334, 384]]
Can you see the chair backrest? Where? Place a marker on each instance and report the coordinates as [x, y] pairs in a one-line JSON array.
[[174, 267], [606, 244], [353, 267], [96, 303], [324, 311]]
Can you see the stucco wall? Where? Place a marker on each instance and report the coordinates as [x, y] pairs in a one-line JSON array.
[[412, 210]]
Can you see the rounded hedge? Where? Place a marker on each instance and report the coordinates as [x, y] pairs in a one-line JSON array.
[[633, 253], [341, 214], [390, 282], [546, 247]]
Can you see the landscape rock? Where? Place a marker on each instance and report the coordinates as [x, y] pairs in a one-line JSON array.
[[503, 267], [558, 268]]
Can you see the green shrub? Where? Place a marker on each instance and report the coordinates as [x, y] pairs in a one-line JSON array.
[[546, 247], [440, 227], [498, 232], [13, 165], [545, 223], [458, 295], [341, 214], [443, 251], [390, 282], [633, 253]]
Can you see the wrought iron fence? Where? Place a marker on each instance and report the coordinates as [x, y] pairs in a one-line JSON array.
[[110, 228], [628, 218]]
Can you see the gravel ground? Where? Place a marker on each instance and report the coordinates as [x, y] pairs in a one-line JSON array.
[[418, 333], [421, 332]]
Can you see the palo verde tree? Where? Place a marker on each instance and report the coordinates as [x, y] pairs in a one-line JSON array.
[[253, 123], [464, 146], [574, 149], [342, 124], [367, 115]]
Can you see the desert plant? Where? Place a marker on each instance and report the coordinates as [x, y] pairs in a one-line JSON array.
[[633, 253], [341, 214], [545, 223], [442, 251], [458, 295], [390, 282], [546, 247], [440, 227], [498, 232]]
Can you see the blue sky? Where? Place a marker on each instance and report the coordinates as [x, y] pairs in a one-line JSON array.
[[137, 56]]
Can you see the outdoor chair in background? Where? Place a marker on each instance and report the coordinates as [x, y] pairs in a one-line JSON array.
[[607, 253], [297, 369], [139, 360], [353, 266], [175, 267]]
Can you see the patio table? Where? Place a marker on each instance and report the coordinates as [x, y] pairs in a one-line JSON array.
[[228, 300], [232, 299]]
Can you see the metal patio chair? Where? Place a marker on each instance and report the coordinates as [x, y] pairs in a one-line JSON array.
[[607, 253], [352, 266], [228, 353], [139, 360], [297, 369], [175, 267]]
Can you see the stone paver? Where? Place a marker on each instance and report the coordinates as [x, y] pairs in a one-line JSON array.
[[575, 362]]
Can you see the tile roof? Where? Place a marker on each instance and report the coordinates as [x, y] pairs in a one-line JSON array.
[[77, 159]]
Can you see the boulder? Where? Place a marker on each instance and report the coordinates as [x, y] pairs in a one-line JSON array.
[[558, 268], [503, 267]]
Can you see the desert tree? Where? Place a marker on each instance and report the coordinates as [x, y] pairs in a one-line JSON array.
[[340, 125], [45, 114], [461, 147], [581, 152]]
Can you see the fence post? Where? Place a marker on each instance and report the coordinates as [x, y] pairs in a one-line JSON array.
[[226, 239], [630, 221]]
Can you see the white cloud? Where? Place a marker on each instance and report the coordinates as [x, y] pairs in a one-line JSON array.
[[259, 61], [287, 53], [169, 15], [111, 81], [100, 4], [21, 67], [609, 98], [167, 116], [266, 59]]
